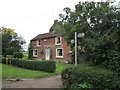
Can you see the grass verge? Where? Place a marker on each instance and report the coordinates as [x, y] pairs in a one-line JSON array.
[[9, 72]]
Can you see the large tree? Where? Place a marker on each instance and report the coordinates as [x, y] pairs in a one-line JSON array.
[[11, 42], [101, 24], [57, 27]]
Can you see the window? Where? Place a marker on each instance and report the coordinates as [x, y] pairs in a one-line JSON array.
[[59, 52], [38, 42], [58, 40], [35, 52]]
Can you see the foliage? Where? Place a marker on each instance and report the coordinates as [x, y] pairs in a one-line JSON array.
[[90, 77], [84, 85], [47, 66], [30, 52], [11, 42], [9, 56], [4, 60], [18, 55], [57, 27], [100, 23], [60, 67], [25, 57]]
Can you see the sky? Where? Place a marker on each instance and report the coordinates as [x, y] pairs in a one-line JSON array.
[[32, 17]]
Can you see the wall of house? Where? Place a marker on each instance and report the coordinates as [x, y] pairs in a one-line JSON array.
[[50, 43]]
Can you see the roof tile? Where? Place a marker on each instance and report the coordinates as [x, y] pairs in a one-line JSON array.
[[45, 35]]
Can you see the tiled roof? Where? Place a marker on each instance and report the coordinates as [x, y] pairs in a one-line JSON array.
[[45, 35]]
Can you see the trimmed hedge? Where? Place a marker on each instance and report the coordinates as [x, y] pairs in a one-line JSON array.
[[94, 76], [18, 55], [46, 66], [4, 60]]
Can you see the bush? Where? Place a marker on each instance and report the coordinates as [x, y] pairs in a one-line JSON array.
[[47, 66], [18, 55], [94, 77], [84, 85], [1, 58], [9, 60], [10, 56]]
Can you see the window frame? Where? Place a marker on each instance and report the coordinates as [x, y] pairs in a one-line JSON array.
[[37, 42], [57, 52], [34, 52], [56, 39]]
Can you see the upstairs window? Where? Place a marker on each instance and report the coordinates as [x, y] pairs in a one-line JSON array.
[[38, 43], [58, 40]]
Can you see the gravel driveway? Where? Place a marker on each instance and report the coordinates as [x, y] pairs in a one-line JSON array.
[[49, 82]]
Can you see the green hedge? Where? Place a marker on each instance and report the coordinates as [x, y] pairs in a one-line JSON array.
[[18, 55], [46, 66], [4, 60], [94, 77]]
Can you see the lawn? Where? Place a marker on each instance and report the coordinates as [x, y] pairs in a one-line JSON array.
[[25, 57], [14, 72]]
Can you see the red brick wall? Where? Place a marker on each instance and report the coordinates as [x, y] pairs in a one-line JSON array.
[[50, 43]]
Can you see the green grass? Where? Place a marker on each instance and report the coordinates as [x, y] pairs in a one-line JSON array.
[[0, 71], [60, 67], [9, 72], [25, 57]]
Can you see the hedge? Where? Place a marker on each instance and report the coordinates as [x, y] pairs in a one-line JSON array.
[[94, 77], [46, 66], [18, 55]]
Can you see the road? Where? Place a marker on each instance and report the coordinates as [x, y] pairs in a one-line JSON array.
[[49, 82]]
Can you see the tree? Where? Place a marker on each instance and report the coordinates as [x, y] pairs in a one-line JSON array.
[[30, 52], [57, 27], [11, 42], [100, 23], [18, 55]]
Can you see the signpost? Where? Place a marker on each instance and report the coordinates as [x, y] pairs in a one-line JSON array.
[[75, 48], [75, 41]]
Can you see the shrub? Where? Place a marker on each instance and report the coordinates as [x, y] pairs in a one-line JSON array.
[[1, 58], [10, 56], [18, 55], [4, 60], [47, 66], [30, 52], [84, 85], [94, 77]]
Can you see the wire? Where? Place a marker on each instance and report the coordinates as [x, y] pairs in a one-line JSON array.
[[31, 17]]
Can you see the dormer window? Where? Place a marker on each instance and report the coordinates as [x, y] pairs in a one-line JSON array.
[[38, 43], [58, 40]]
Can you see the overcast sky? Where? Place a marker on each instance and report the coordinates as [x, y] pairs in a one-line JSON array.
[[32, 17]]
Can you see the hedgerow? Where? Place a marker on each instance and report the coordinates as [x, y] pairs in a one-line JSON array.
[[95, 77], [46, 66]]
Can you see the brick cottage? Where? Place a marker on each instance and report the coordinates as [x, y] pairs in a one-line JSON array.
[[50, 46]]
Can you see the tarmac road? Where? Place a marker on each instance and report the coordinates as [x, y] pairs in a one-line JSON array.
[[49, 82]]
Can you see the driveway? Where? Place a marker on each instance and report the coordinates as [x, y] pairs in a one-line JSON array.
[[49, 82]]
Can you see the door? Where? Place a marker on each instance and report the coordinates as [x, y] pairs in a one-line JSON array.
[[47, 52]]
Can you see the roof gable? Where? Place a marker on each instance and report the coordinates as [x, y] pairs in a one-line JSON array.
[[45, 36]]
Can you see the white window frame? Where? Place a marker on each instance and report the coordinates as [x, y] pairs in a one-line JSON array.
[[62, 53], [34, 53], [37, 42], [56, 38]]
